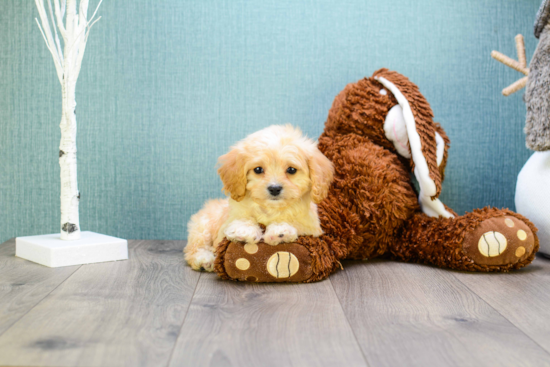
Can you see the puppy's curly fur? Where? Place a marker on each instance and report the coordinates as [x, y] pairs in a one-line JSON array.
[[275, 178]]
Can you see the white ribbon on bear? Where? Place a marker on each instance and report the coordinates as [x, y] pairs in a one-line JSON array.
[[400, 129]]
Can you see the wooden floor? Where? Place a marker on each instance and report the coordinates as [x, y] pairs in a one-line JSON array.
[[152, 310]]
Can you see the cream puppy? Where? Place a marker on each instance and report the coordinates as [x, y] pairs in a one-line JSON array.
[[274, 177]]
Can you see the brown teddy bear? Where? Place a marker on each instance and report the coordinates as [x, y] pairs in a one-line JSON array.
[[378, 131]]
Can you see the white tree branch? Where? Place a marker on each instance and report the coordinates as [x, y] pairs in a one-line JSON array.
[[83, 13], [58, 44], [70, 18], [59, 13], [90, 27], [93, 15], [83, 41], [47, 35], [45, 24], [56, 62]]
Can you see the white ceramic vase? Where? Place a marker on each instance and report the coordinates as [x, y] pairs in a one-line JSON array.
[[533, 196]]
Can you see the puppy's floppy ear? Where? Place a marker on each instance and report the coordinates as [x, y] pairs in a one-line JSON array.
[[423, 139], [233, 174], [321, 173]]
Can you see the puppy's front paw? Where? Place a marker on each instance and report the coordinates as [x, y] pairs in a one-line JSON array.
[[240, 231], [202, 258], [277, 233]]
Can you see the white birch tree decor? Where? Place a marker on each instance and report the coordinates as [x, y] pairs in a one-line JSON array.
[[67, 61], [85, 247]]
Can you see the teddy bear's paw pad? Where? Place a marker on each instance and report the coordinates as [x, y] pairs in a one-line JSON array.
[[492, 244], [287, 262], [499, 241], [283, 264]]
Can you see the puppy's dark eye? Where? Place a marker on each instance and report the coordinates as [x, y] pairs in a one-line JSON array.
[[291, 170], [258, 170]]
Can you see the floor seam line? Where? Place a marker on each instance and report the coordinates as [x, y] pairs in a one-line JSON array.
[[42, 299], [184, 319], [504, 317], [349, 324]]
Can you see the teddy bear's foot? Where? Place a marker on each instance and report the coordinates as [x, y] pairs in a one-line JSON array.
[[498, 241], [287, 262], [308, 259], [487, 239]]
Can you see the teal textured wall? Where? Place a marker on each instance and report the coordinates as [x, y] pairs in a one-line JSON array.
[[167, 86]]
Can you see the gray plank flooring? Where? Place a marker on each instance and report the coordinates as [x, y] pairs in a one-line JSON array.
[[152, 310], [108, 314], [24, 284], [416, 315], [522, 297], [237, 324]]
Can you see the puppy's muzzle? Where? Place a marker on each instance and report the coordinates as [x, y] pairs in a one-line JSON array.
[[275, 190]]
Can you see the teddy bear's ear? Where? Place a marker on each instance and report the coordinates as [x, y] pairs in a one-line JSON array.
[[412, 123]]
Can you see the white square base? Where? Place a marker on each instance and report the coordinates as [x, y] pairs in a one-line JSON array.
[[52, 251]]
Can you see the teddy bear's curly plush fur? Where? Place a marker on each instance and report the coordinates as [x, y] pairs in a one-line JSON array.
[[373, 208]]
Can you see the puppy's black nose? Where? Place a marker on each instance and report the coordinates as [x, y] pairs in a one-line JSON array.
[[275, 190]]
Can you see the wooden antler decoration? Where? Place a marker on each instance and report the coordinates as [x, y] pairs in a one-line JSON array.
[[520, 65]]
